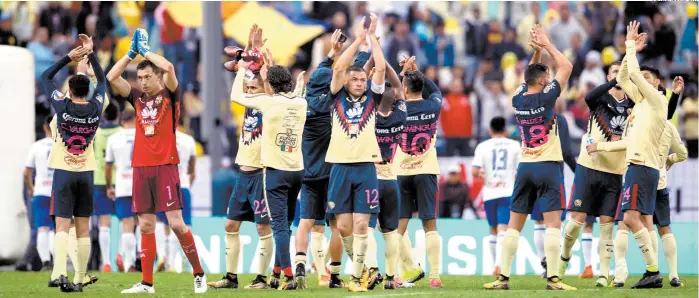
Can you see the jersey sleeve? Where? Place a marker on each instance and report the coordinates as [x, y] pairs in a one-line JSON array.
[[109, 154], [478, 157], [192, 147], [30, 163], [551, 92], [593, 98], [256, 101], [679, 151]]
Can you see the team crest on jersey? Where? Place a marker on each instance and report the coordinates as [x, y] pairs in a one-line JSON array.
[[354, 115], [549, 87], [519, 89], [252, 126], [620, 110], [402, 107]]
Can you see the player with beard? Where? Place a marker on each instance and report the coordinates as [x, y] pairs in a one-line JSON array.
[[156, 179], [316, 139]]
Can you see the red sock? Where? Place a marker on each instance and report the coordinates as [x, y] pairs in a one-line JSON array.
[[148, 251], [287, 271], [277, 270], [190, 250]]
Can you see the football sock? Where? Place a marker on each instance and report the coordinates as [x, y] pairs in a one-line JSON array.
[[572, 231], [654, 240], [498, 247], [190, 250], [493, 246], [347, 243], [128, 242], [104, 245], [359, 248], [232, 252], [406, 254], [552, 246], [391, 251], [148, 248], [434, 252], [42, 245], [370, 259], [317, 252], [670, 249], [509, 249], [586, 242], [161, 246], [539, 231], [172, 249], [621, 244], [82, 260], [606, 247], [649, 255], [72, 246], [300, 258], [266, 253], [52, 234], [60, 255]]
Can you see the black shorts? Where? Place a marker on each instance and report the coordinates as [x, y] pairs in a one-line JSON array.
[[389, 201], [314, 199], [418, 193], [71, 194], [542, 181], [595, 193], [661, 217]]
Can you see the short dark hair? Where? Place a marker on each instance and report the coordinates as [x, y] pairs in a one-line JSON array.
[[497, 124], [414, 80], [111, 112], [279, 78], [147, 63], [652, 70], [47, 120], [128, 115], [534, 72], [354, 68], [617, 63], [79, 85]]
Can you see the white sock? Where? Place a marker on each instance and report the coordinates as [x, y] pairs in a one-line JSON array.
[[104, 245], [128, 244], [160, 238], [138, 240], [52, 233], [587, 248], [498, 247], [173, 250], [493, 241], [539, 232], [42, 246]]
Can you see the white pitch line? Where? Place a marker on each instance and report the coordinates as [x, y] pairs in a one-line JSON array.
[[401, 294]]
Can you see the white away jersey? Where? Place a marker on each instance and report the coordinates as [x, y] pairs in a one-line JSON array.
[[498, 158], [119, 153], [186, 149], [38, 160]]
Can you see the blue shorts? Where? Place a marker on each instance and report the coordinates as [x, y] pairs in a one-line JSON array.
[[538, 216], [281, 191], [538, 181], [497, 211], [103, 204], [314, 198], [353, 188], [247, 202], [373, 220], [661, 217], [389, 199], [594, 192], [41, 216], [418, 193], [71, 194], [639, 190], [186, 209], [122, 207]]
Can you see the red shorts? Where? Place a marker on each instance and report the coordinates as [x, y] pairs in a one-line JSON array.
[[156, 189]]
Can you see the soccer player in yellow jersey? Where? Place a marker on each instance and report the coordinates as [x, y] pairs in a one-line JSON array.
[[539, 174], [353, 194], [643, 132], [281, 158]]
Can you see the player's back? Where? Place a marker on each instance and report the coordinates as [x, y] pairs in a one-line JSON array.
[[120, 148], [39, 160], [316, 140], [284, 116], [418, 154], [498, 159], [186, 150], [389, 129], [536, 119], [73, 131]]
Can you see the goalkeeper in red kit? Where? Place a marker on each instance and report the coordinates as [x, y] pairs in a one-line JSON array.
[[156, 180]]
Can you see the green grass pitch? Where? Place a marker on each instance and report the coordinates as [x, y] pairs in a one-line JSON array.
[[23, 284]]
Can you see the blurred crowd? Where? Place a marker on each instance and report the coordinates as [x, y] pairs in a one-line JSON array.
[[475, 51]]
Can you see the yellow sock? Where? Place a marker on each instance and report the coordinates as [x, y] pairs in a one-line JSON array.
[[317, 252], [434, 252], [621, 244], [60, 255], [670, 249], [72, 246], [83, 252], [359, 248], [571, 235], [406, 254], [266, 254], [649, 255], [654, 240], [552, 248], [232, 251], [392, 239], [606, 247], [348, 244], [509, 249], [370, 260]]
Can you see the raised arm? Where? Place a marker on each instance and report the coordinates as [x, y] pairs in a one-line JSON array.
[[379, 77], [343, 62], [596, 93], [300, 89], [47, 76], [676, 96], [396, 84], [255, 101], [119, 84], [169, 76], [560, 62]]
